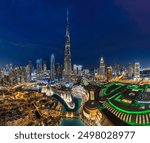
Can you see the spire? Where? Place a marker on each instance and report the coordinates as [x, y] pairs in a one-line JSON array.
[[67, 16], [67, 28], [102, 60], [67, 58]]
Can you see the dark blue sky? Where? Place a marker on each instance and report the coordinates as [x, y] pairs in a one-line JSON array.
[[118, 30]]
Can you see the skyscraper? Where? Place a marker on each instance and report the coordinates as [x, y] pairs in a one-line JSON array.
[[109, 73], [102, 68], [77, 69], [58, 70], [67, 59], [52, 66], [130, 71], [29, 70], [117, 69], [137, 71], [39, 68], [44, 66]]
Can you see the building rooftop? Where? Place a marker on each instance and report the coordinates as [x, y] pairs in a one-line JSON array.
[[91, 105]]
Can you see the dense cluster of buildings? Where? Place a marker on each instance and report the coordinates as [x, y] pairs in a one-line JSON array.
[[54, 70], [95, 109], [130, 72]]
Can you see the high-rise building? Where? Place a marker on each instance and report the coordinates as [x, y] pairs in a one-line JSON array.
[[109, 73], [58, 69], [117, 69], [1, 73], [86, 72], [39, 68], [130, 71], [137, 70], [29, 71], [44, 66], [52, 67], [67, 59], [39, 65], [77, 69], [8, 68], [102, 68]]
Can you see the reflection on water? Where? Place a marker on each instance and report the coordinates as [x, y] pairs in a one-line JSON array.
[[65, 107], [69, 121]]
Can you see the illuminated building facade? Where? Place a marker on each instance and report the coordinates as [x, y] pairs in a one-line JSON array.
[[137, 70], [67, 59], [145, 73], [91, 114], [44, 66], [58, 70], [39, 68], [29, 70], [86, 72], [102, 68], [130, 71], [117, 69], [109, 73], [52, 66], [77, 69]]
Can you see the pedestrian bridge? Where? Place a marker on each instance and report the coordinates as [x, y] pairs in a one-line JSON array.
[[69, 115]]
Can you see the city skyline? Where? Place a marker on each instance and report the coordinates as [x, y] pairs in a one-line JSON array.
[[39, 31], [74, 63]]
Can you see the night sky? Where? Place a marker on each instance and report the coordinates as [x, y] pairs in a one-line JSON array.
[[118, 30]]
